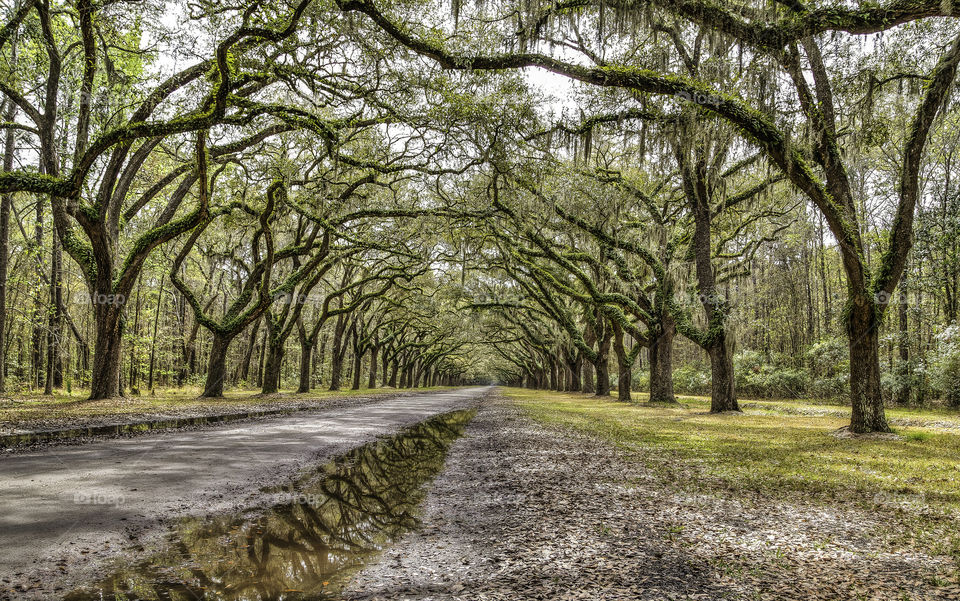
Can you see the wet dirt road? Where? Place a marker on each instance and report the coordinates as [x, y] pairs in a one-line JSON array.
[[65, 508]]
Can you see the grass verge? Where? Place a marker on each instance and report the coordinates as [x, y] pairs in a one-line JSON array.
[[782, 454]]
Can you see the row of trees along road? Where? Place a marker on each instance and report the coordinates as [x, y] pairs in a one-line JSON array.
[[781, 78], [378, 193]]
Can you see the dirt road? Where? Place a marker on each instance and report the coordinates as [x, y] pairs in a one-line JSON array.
[[66, 508]]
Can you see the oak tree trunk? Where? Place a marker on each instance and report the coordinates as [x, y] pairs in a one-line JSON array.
[[624, 367], [864, 344], [271, 369], [54, 376], [602, 365], [385, 368], [105, 377], [336, 370], [722, 393], [588, 386], [393, 374], [216, 367], [6, 204], [903, 389], [661, 363], [625, 376], [357, 370], [372, 380], [306, 357], [576, 369], [248, 355]]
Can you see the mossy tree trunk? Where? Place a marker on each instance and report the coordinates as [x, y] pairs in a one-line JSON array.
[[374, 363], [357, 371], [271, 368], [624, 367], [244, 371], [661, 362], [575, 365], [338, 351], [394, 369], [6, 205], [863, 330], [904, 374], [217, 366], [306, 361], [105, 374], [54, 376], [602, 365]]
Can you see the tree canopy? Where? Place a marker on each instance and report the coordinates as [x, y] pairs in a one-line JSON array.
[[661, 197]]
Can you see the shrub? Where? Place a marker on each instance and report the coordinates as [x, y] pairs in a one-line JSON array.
[[829, 362], [835, 387], [757, 378], [945, 367], [828, 358], [905, 377], [641, 380], [786, 383], [692, 378]]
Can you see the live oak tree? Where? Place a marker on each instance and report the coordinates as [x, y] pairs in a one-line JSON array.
[[99, 217], [266, 274], [107, 160], [551, 281], [627, 266], [744, 176], [786, 41]]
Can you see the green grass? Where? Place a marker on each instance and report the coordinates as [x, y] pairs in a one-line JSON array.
[[27, 411], [780, 453], [940, 415]]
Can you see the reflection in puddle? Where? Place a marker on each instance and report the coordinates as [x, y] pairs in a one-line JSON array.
[[328, 524]]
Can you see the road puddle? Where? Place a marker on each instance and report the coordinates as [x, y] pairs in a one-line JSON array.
[[328, 525]]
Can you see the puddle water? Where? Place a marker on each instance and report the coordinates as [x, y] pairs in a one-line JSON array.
[[329, 524]]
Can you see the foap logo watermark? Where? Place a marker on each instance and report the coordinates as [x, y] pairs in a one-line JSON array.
[[890, 298], [100, 298], [303, 498], [713, 299], [694, 299], [884, 299], [700, 98], [98, 498], [886, 498], [288, 298], [495, 298]]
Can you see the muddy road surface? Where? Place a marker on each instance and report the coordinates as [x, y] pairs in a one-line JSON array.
[[70, 509]]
